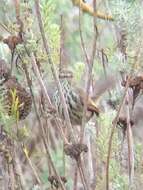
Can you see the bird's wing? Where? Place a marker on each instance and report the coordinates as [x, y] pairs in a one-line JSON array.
[[91, 105]]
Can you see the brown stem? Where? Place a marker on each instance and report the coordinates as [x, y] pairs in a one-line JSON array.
[[89, 64], [31, 166], [75, 178]]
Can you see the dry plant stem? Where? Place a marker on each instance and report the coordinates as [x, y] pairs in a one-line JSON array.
[[79, 163], [31, 166], [38, 76], [82, 40], [61, 44], [104, 64], [88, 81], [89, 159], [112, 133], [62, 132], [75, 178], [5, 28], [130, 145], [85, 102], [61, 66], [63, 61], [17, 8], [20, 173], [95, 164], [89, 65], [81, 172], [45, 44], [64, 160], [17, 178], [42, 130], [11, 177], [47, 131]]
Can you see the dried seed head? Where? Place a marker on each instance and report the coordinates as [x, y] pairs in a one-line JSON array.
[[74, 150], [10, 84], [24, 98]]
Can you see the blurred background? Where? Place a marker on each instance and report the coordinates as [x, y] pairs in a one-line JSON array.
[[70, 37]]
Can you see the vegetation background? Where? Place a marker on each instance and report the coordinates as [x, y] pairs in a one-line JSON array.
[[113, 162]]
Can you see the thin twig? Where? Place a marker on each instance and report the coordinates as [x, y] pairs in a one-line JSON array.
[[11, 177], [82, 175], [5, 28], [31, 166], [20, 173], [38, 76], [104, 60], [75, 178]]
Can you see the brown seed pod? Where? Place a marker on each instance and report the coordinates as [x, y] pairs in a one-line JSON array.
[[74, 150]]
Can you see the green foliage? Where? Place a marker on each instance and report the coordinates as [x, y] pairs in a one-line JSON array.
[[15, 105], [120, 182], [129, 15], [52, 30]]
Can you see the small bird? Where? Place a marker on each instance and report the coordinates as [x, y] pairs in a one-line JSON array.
[[74, 97], [8, 84]]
